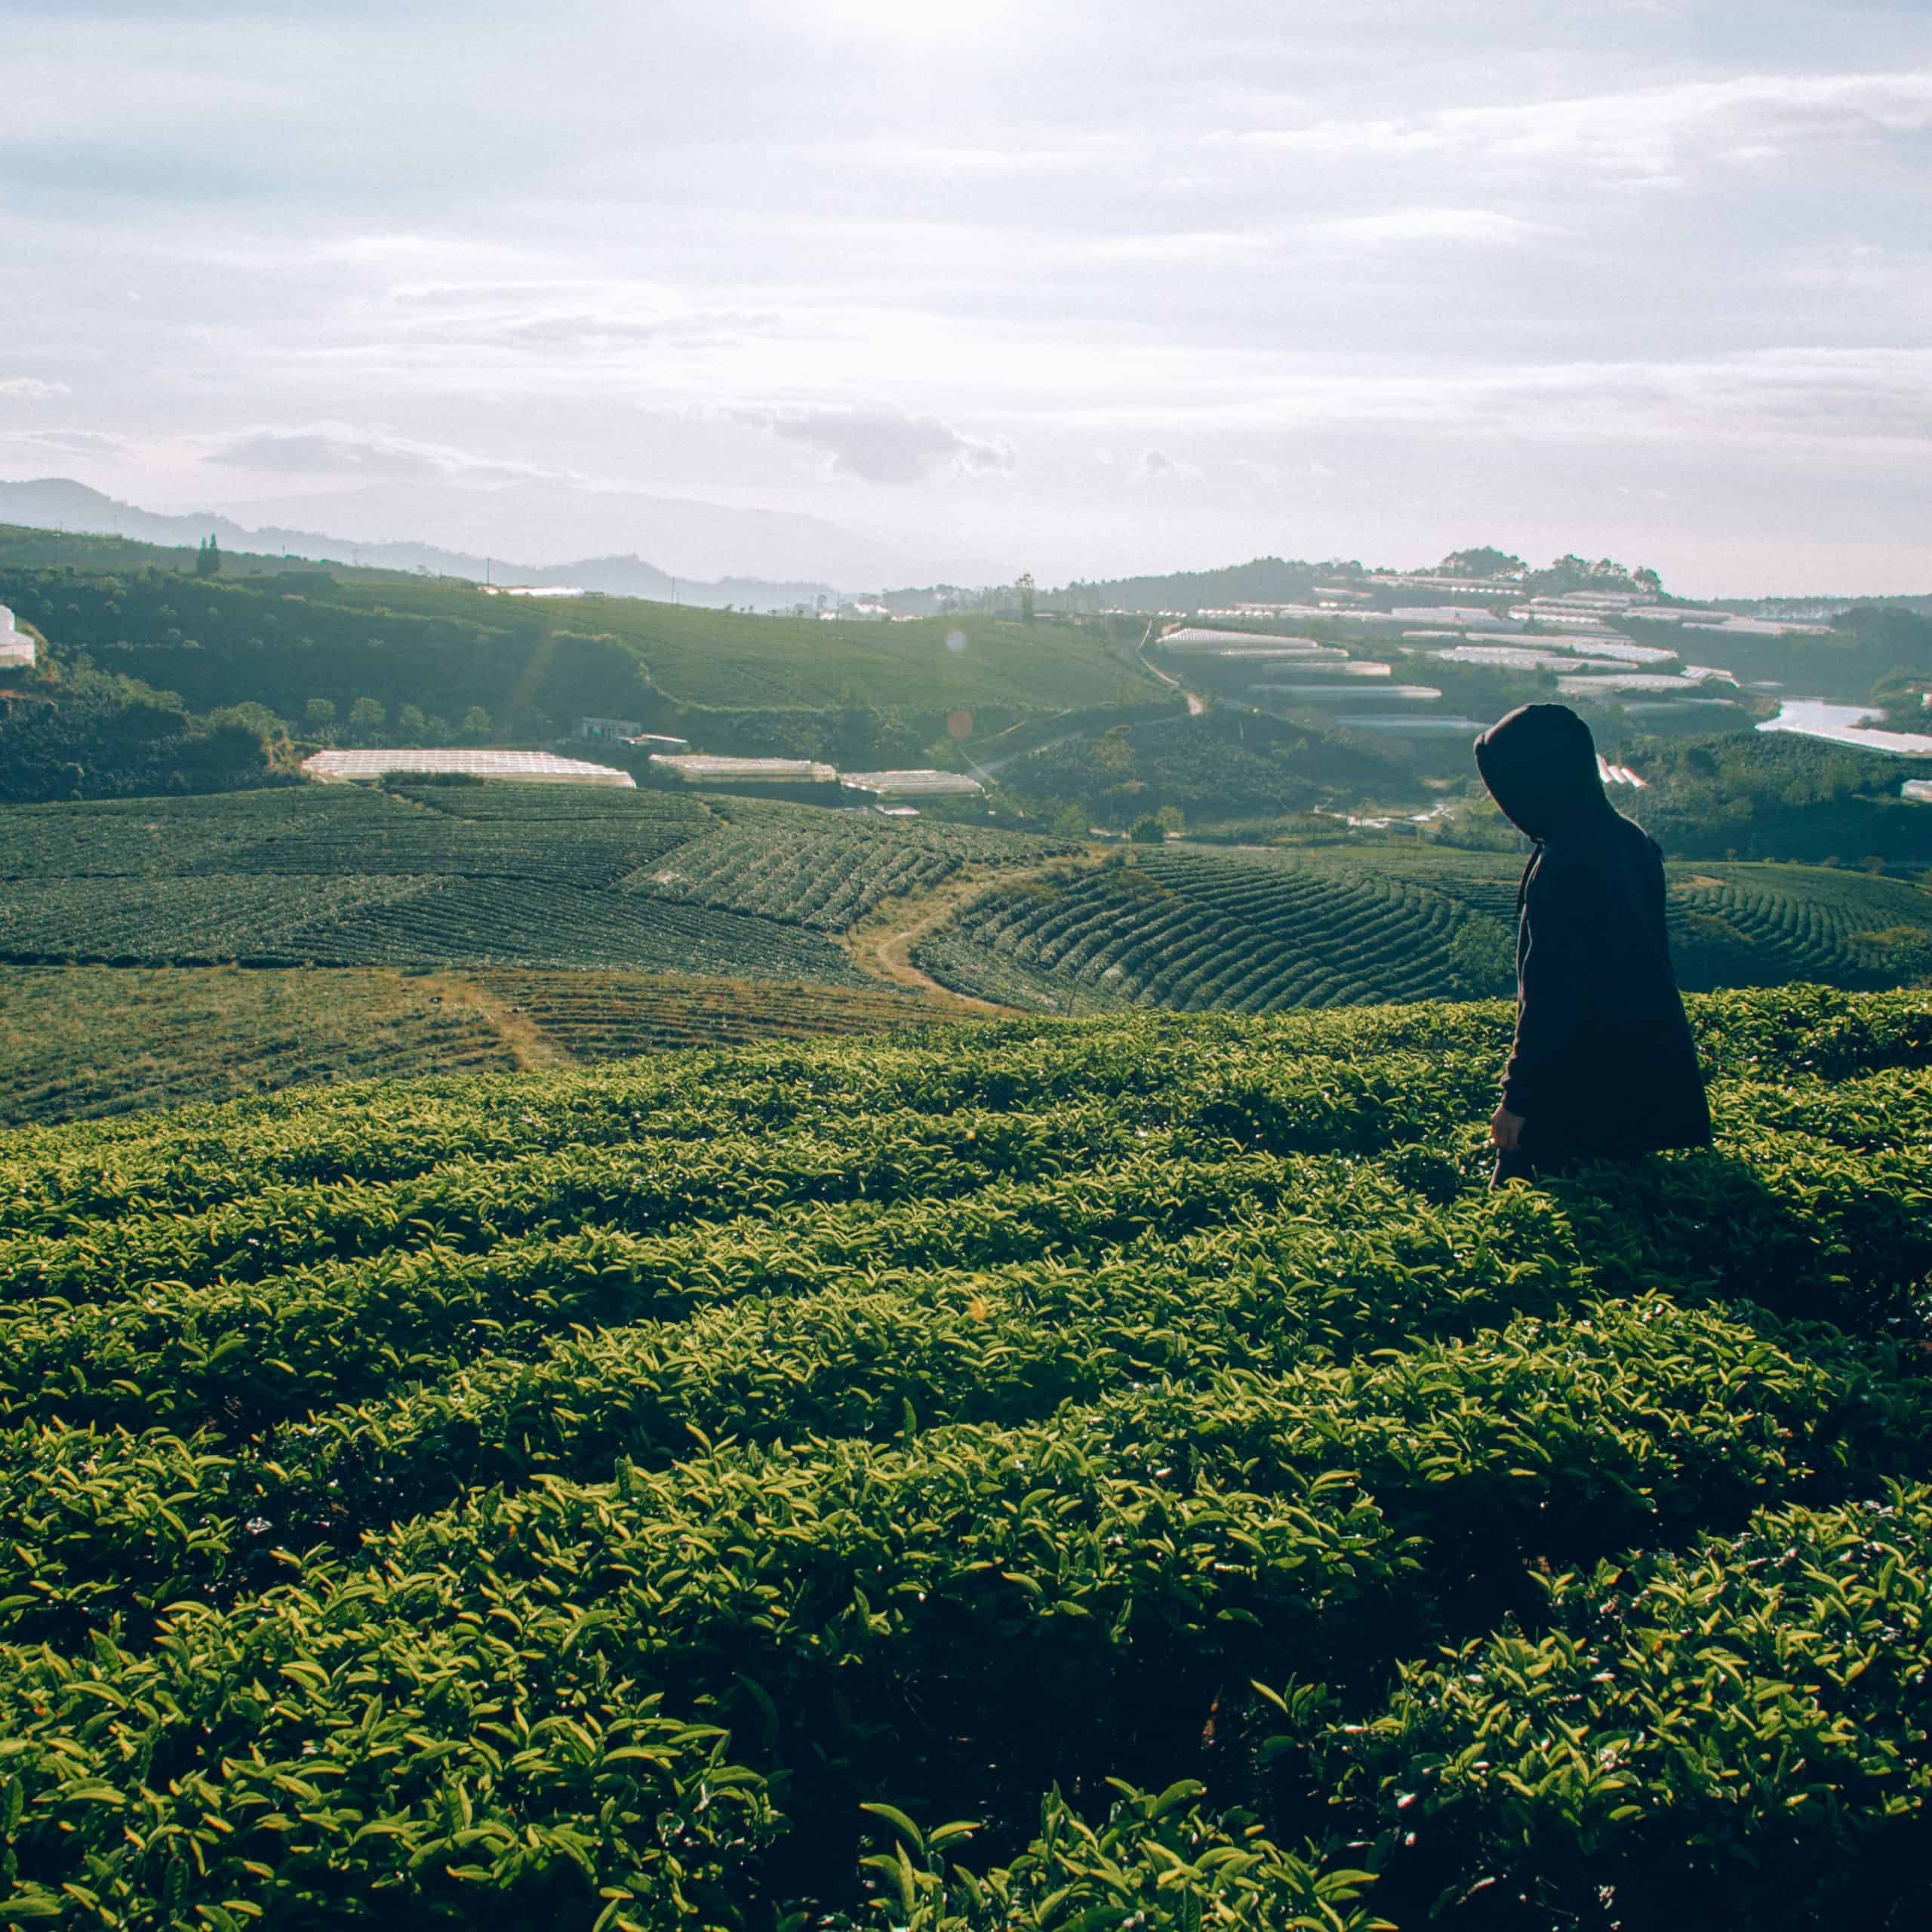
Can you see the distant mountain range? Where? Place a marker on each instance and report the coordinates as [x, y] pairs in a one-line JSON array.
[[61, 503]]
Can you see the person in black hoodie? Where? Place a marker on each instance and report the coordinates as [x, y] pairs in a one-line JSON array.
[[1603, 1065]]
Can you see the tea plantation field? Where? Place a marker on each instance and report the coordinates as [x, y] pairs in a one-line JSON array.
[[1120, 1472], [467, 875], [1256, 931], [82, 1041]]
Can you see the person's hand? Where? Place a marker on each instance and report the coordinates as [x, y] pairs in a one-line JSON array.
[[1506, 1129]]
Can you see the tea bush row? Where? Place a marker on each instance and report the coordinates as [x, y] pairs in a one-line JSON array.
[[1255, 933]]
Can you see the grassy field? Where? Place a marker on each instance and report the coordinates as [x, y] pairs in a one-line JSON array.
[[1253, 932], [636, 1497]]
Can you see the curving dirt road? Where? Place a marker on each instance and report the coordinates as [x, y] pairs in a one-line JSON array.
[[882, 943], [1195, 705]]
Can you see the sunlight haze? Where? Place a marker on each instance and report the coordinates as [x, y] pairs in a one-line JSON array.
[[1072, 289]]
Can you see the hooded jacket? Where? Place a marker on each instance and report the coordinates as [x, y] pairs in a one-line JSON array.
[[1604, 1062]]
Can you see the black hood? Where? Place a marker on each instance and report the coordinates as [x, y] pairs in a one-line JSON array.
[[1540, 765]]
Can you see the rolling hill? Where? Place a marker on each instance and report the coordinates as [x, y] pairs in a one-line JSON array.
[[281, 639]]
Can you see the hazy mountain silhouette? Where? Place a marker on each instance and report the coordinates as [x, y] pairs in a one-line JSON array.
[[62, 504]]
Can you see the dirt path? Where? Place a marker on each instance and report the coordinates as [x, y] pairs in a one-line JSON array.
[[882, 943], [530, 1048], [1195, 705]]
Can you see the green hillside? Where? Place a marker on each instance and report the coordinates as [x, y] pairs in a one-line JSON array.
[[1253, 932], [307, 632], [634, 1498], [28, 546]]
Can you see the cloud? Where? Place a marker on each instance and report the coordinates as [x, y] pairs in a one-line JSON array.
[[884, 446], [1182, 249], [70, 442], [336, 449], [1156, 466], [31, 389], [1639, 134], [588, 316], [1405, 227], [1860, 397]]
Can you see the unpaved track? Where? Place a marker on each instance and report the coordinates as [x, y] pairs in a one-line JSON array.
[[882, 944], [1196, 704], [528, 1045]]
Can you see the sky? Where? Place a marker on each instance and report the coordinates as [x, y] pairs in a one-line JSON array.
[[1010, 285]]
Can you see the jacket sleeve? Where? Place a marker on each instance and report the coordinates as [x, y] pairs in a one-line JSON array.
[[1563, 917]]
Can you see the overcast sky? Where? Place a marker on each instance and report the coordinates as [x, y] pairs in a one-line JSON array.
[[1076, 288]]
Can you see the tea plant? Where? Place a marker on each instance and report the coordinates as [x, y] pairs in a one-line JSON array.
[[1260, 931], [661, 1494]]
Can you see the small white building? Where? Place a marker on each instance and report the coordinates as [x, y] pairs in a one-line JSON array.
[[1917, 789], [903, 785], [1201, 637], [704, 768], [539, 768], [1600, 684], [17, 649]]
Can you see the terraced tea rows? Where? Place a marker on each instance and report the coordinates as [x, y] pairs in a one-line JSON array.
[[1255, 933], [467, 875], [196, 920], [606, 1016], [508, 830], [616, 1497], [828, 872], [80, 1041]]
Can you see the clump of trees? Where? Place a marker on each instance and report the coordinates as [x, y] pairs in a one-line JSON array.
[[1569, 572], [284, 641], [1775, 795], [1221, 764], [90, 734], [1482, 955]]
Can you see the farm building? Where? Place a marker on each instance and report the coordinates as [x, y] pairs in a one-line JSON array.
[[609, 727], [656, 741], [542, 768], [1200, 637], [16, 649], [900, 786], [1917, 789], [1347, 693], [703, 768], [1599, 683]]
